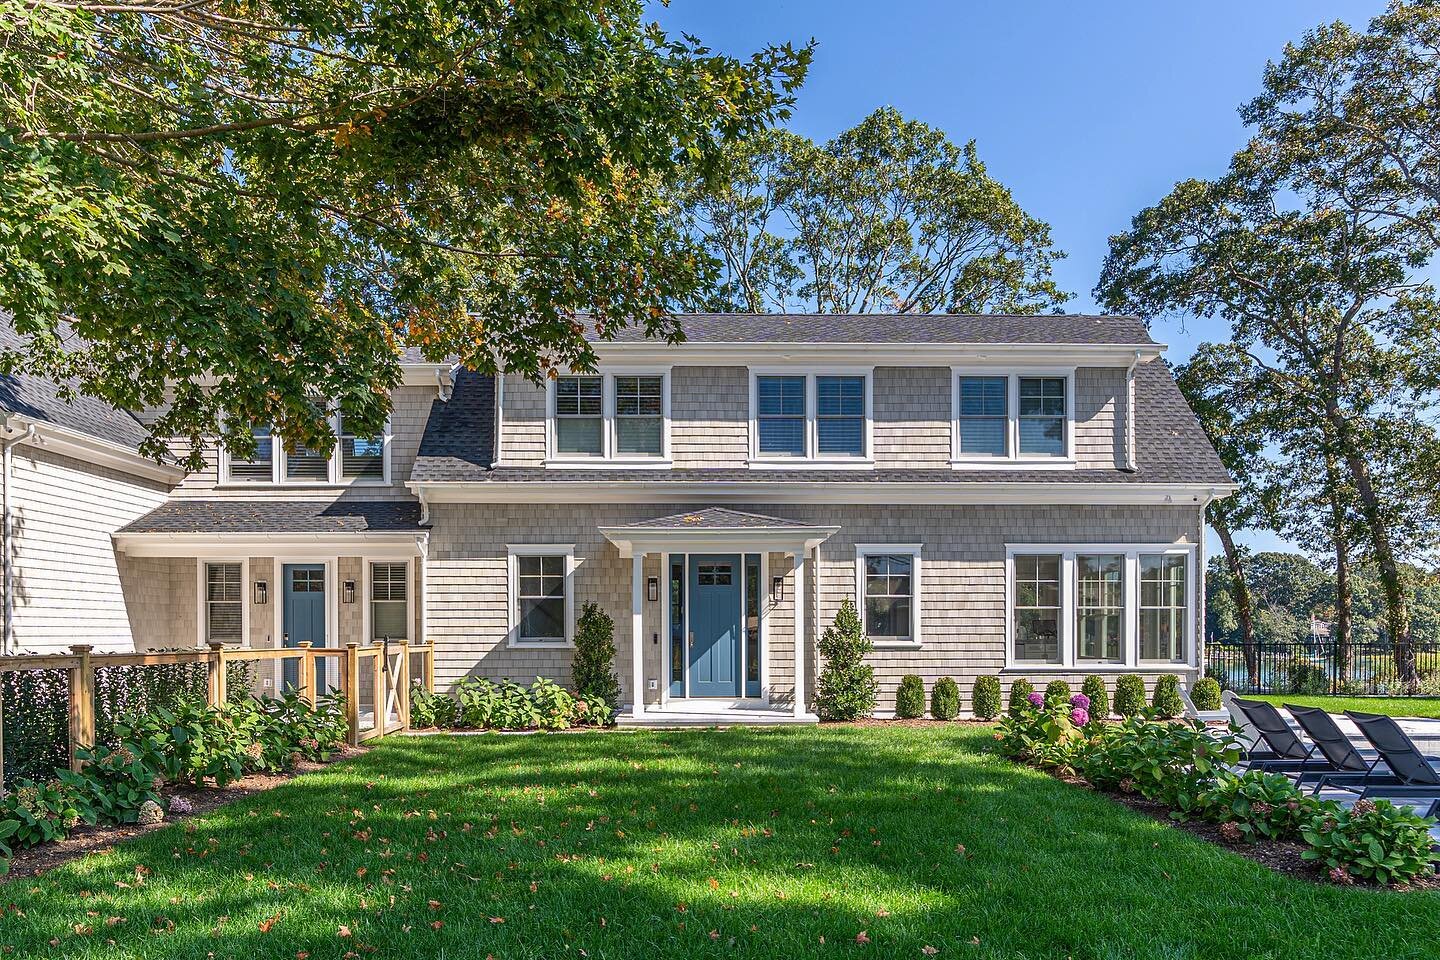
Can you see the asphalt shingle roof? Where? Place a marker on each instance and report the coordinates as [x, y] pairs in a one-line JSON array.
[[716, 518], [280, 516], [39, 399], [1170, 447], [1059, 328]]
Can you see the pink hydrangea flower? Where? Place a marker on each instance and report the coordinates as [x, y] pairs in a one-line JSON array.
[[1036, 699], [1079, 716], [1080, 701], [1231, 832], [1340, 875]]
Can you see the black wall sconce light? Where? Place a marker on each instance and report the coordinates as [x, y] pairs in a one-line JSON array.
[[777, 589], [262, 592], [349, 591], [652, 588]]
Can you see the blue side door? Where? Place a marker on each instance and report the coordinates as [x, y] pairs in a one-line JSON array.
[[715, 625], [304, 617]]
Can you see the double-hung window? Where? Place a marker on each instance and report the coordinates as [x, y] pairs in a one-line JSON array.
[[640, 416], [579, 416], [1162, 607], [1124, 605], [224, 602], [887, 587], [260, 467], [361, 458], [354, 459], [811, 417], [984, 420], [1012, 417], [780, 416], [1042, 416], [541, 595], [389, 603]]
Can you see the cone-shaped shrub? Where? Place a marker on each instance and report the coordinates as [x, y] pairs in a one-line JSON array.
[[1167, 702], [1057, 693], [1129, 695], [986, 698], [593, 662], [910, 698], [1020, 691], [846, 690], [945, 699], [1094, 688], [1206, 694]]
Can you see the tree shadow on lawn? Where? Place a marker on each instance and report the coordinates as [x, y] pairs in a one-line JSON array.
[[738, 843]]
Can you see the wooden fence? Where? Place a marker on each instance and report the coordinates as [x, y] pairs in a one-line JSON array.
[[387, 686]]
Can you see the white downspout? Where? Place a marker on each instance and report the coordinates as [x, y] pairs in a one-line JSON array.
[[7, 643], [1129, 464]]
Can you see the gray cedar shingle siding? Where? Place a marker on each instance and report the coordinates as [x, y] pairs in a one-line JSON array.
[[710, 431]]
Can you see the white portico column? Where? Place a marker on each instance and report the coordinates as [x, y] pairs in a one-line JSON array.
[[637, 631], [801, 569]]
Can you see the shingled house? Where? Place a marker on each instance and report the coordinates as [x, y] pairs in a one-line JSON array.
[[1021, 496]]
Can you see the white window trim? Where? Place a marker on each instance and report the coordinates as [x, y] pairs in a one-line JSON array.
[[812, 460], [609, 457], [202, 605], [1069, 662], [334, 469], [512, 601], [862, 550], [1013, 459], [367, 615]]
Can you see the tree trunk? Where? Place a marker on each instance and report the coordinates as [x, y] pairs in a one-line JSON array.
[[1392, 583], [1340, 537], [1242, 601]]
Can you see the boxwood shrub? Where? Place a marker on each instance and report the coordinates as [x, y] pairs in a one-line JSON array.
[[910, 698], [985, 698], [945, 699], [1129, 695], [1057, 693], [1167, 701], [1020, 691], [1094, 688]]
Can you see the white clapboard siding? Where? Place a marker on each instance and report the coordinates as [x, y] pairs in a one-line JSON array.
[[67, 585]]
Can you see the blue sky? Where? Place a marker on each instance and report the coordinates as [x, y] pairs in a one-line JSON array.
[[1087, 111]]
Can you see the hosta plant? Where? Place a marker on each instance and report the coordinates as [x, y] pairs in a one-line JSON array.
[[1373, 840]]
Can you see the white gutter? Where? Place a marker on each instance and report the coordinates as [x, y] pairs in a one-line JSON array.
[[94, 450], [1130, 464], [7, 639]]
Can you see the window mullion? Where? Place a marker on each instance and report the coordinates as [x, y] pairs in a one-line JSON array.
[[1068, 597], [812, 407]]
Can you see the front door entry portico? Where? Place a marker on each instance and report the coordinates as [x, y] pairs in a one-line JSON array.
[[714, 640]]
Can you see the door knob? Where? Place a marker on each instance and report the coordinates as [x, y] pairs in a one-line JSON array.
[[692, 638]]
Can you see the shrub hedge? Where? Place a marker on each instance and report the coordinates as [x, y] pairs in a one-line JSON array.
[[1094, 688], [945, 699], [1129, 695], [1167, 701], [910, 698], [482, 704], [985, 698], [1020, 691]]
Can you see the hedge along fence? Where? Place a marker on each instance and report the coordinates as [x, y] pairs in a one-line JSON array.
[[56, 703]]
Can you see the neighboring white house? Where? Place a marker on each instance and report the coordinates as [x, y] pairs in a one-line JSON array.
[[1021, 496]]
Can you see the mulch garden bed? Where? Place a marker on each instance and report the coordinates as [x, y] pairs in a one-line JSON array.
[[85, 839], [1282, 856]]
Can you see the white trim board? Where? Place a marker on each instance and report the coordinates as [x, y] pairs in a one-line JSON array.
[[512, 600], [912, 550]]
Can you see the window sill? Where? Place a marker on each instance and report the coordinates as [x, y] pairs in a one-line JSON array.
[[298, 484], [608, 463], [1015, 463], [1080, 667], [896, 644], [541, 645], [816, 463]]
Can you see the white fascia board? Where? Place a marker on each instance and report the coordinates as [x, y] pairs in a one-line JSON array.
[[877, 354], [291, 545], [426, 374], [84, 447], [714, 491], [633, 540]]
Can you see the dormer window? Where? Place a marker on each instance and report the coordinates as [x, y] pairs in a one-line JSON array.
[[615, 418], [354, 460], [810, 419], [1013, 418]]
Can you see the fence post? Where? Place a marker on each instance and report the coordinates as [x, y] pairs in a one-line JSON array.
[[215, 674], [350, 683], [378, 682], [307, 671], [402, 684], [429, 660], [82, 703]]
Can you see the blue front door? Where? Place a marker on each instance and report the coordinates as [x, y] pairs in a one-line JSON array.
[[715, 625], [304, 599]]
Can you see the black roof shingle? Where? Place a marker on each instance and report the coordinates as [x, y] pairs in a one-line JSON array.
[[933, 328], [280, 516]]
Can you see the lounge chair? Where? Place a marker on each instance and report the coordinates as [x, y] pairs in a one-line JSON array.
[[1283, 751], [1331, 741], [1412, 774]]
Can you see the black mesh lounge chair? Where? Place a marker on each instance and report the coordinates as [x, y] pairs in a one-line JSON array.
[[1331, 741], [1284, 751], [1412, 774]]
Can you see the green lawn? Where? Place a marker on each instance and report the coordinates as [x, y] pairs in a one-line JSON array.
[[1394, 706], [741, 843]]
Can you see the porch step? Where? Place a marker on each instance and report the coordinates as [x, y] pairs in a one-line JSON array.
[[663, 718]]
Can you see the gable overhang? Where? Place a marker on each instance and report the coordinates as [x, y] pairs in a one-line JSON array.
[[874, 354], [638, 540], [836, 492], [89, 449]]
